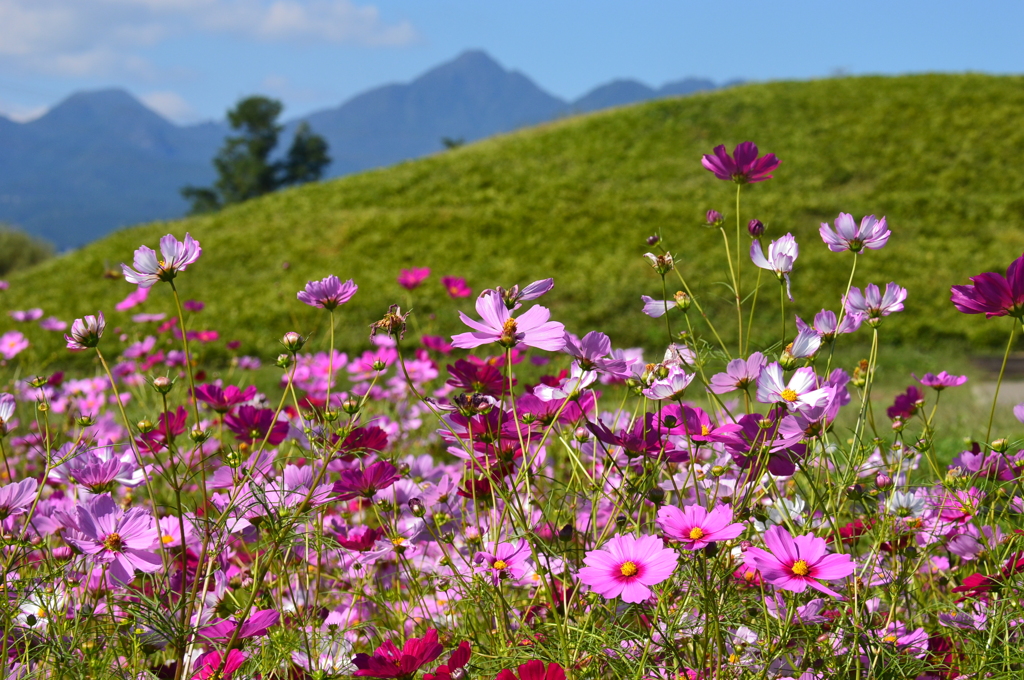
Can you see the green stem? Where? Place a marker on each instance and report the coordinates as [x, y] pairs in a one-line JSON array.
[[739, 273], [782, 310], [999, 383], [753, 306]]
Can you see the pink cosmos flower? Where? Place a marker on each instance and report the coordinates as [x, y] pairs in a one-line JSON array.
[[801, 391], [456, 287], [534, 669], [26, 315], [694, 527], [177, 256], [52, 323], [390, 662], [366, 483], [135, 298], [508, 561], [86, 332], [873, 304], [122, 540], [628, 566], [251, 425], [782, 253], [12, 343], [671, 386], [16, 498], [258, 623], [872, 233], [738, 375], [209, 666], [410, 279], [941, 381], [797, 562], [826, 325], [592, 352], [223, 400], [993, 294], [532, 328], [327, 293], [743, 166]]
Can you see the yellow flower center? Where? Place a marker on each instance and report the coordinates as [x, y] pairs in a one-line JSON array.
[[704, 429], [508, 333], [800, 568], [628, 569], [696, 534], [167, 538], [891, 639], [500, 564], [113, 543], [789, 395]]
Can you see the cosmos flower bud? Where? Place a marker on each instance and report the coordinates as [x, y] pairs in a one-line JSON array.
[[38, 381], [199, 435], [582, 434], [717, 471], [1000, 445], [145, 425], [566, 533], [379, 365], [714, 218], [162, 384], [653, 240], [350, 406], [85, 421], [283, 360], [855, 492], [232, 459], [682, 300], [416, 507], [292, 341], [621, 521], [755, 228], [883, 481], [656, 495], [330, 415], [788, 361]]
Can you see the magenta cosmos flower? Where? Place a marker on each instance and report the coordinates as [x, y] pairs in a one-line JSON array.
[[390, 662], [456, 287], [628, 566], [365, 483], [177, 256], [781, 256], [532, 328], [214, 666], [797, 562], [873, 304], [327, 293], [993, 294], [743, 166], [872, 233], [533, 670], [122, 540], [941, 381], [694, 527], [86, 332], [801, 391], [412, 278]]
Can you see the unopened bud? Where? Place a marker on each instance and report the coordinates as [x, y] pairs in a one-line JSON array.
[[292, 341], [283, 360], [379, 365], [582, 434], [855, 492], [620, 521], [330, 415], [85, 421], [38, 381], [199, 435], [883, 481], [656, 495], [566, 533], [162, 384], [145, 425], [1000, 445], [714, 218], [653, 240], [682, 300], [416, 507], [717, 471], [755, 228], [232, 459], [350, 406], [42, 407], [788, 361]]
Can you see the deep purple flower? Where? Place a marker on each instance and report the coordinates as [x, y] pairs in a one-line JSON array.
[[124, 540], [390, 662], [223, 400], [873, 304], [193, 305], [992, 294], [86, 332], [782, 253], [643, 439], [327, 293], [743, 166], [714, 218], [532, 328], [410, 279], [477, 378], [757, 446], [941, 381], [365, 483], [906, 404], [872, 233], [177, 256], [755, 228], [739, 374], [252, 425], [592, 351], [456, 287]]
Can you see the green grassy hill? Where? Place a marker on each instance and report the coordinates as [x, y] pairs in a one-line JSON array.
[[939, 155]]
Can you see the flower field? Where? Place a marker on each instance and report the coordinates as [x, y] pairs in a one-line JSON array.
[[516, 501]]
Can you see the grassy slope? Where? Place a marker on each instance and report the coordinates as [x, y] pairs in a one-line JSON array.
[[939, 155]]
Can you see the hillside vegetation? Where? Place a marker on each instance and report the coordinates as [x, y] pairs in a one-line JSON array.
[[938, 155]]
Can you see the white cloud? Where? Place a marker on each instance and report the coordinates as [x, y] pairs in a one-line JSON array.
[[21, 114], [80, 37], [171, 105]]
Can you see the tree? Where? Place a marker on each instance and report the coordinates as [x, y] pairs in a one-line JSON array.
[[244, 168]]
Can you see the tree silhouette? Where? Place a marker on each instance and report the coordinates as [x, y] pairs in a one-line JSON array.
[[244, 168]]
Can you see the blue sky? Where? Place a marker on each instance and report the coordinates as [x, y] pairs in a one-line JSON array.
[[192, 59]]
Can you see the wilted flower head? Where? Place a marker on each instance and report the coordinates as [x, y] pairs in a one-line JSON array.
[[86, 332], [743, 166], [992, 294], [872, 233], [328, 292], [662, 264], [782, 253], [393, 323], [177, 256], [714, 218]]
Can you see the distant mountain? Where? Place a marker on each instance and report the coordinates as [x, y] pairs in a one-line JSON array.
[[102, 160]]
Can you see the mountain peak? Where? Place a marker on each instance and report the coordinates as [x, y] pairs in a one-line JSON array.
[[97, 106]]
